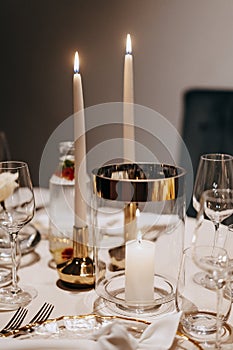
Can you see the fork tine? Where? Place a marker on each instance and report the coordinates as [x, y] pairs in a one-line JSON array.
[[46, 313], [19, 319], [43, 313], [41, 310], [15, 321], [49, 311], [19, 310]]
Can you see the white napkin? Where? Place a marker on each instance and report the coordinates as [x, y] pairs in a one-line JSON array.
[[159, 335], [114, 337]]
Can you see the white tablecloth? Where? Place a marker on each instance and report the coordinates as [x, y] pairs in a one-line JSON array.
[[44, 279]]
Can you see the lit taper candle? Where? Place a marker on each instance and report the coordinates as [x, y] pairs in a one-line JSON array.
[[80, 147], [128, 99]]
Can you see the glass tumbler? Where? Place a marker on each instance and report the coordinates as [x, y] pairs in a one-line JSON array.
[[138, 224], [61, 206], [198, 302]]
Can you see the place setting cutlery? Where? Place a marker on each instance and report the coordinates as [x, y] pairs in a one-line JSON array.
[[13, 327], [15, 322]]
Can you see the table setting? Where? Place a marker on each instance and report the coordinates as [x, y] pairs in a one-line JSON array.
[[108, 259]]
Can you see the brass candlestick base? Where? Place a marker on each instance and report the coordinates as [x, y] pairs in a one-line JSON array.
[[78, 272]]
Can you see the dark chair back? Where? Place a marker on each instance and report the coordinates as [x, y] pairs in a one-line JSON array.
[[208, 124]]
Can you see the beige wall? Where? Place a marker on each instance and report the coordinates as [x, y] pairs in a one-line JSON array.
[[177, 44]]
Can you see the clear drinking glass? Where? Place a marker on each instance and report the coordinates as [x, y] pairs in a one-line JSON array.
[[61, 206], [204, 310], [16, 210], [138, 224]]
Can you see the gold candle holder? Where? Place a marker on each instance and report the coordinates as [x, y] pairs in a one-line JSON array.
[[117, 254], [130, 220], [78, 271]]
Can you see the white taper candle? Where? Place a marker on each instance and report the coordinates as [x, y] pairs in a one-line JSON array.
[[128, 99], [80, 147]]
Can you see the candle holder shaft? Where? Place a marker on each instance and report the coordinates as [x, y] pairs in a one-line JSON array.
[[130, 221], [117, 254], [78, 272]]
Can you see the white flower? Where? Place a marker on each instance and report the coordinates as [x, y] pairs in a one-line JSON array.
[[7, 185]]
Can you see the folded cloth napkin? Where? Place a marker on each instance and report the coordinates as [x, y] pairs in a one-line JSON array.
[[114, 337], [159, 335]]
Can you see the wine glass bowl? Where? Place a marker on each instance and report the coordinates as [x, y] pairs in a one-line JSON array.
[[17, 207], [218, 206], [213, 260], [214, 172], [19, 210]]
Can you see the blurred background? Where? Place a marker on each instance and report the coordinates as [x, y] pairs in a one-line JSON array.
[[178, 45]]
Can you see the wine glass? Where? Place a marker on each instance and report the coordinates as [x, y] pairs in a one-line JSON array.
[[214, 262], [17, 206], [218, 206], [215, 171]]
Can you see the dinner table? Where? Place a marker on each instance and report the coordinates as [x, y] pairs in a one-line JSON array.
[[35, 270]]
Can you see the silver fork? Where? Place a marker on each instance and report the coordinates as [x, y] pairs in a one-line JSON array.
[[42, 315], [15, 322]]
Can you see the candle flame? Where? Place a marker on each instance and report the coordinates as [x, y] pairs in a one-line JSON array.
[[128, 45], [76, 62]]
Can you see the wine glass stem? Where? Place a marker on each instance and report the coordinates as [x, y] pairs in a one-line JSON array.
[[216, 237], [218, 318], [13, 240]]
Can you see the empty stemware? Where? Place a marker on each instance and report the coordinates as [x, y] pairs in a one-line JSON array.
[[16, 210], [215, 171]]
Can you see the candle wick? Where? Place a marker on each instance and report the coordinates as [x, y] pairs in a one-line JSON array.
[[139, 237]]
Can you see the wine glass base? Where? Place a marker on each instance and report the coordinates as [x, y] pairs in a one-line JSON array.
[[207, 339], [12, 301]]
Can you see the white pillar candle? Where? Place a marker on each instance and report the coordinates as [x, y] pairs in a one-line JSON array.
[[80, 147], [128, 99], [139, 272]]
